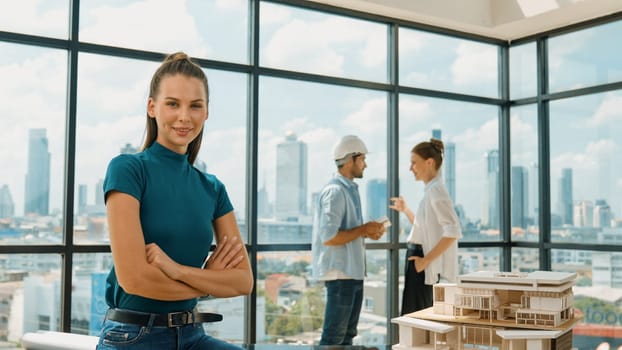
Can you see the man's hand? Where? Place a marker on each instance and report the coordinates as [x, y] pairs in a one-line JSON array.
[[374, 230], [226, 255]]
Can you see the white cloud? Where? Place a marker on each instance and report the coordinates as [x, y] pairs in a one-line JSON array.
[[271, 14], [413, 114], [162, 27], [224, 153], [112, 94], [319, 46], [27, 15], [565, 46], [99, 143], [588, 159], [475, 64], [297, 125], [411, 41], [608, 112], [374, 50], [479, 140], [369, 118], [231, 5], [296, 42]]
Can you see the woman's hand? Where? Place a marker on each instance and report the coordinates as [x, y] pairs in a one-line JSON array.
[[226, 255], [398, 203], [420, 263], [158, 258]]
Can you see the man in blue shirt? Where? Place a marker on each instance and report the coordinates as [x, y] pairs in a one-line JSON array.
[[339, 243]]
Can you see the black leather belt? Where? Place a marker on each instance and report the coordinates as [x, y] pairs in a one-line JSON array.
[[173, 319], [413, 246]]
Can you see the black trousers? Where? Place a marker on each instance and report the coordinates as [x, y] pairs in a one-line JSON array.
[[417, 295]]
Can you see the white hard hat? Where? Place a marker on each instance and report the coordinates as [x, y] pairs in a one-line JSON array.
[[349, 144]]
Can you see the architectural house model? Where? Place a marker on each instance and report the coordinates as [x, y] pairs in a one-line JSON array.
[[495, 310]]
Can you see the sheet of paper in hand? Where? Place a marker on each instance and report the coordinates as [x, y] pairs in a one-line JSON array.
[[385, 221]]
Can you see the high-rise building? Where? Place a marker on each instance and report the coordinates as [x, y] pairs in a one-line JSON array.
[[565, 197], [583, 214], [263, 203], [377, 200], [99, 193], [7, 207], [449, 165], [519, 192], [534, 204], [37, 198], [82, 198], [128, 149], [602, 214], [291, 178], [490, 218]]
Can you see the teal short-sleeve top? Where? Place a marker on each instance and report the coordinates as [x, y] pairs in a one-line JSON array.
[[178, 205]]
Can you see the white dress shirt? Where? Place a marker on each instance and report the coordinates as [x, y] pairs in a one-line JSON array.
[[436, 218]]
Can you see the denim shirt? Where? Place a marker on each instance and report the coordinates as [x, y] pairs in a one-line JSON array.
[[338, 207]]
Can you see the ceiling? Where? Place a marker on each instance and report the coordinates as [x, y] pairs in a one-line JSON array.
[[501, 19]]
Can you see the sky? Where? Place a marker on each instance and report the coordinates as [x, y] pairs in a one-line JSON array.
[[112, 92]]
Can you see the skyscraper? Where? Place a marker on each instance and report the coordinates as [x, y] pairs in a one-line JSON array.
[[491, 201], [128, 149], [37, 198], [449, 165], [7, 207], [82, 198], [602, 214], [377, 200], [520, 196], [291, 178], [99, 193], [583, 215], [565, 197], [534, 204]]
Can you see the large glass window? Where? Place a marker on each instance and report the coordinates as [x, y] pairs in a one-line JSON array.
[[440, 62], [586, 185], [524, 173], [223, 151], [194, 26], [597, 290], [29, 294], [111, 115], [289, 308], [585, 58], [523, 71], [471, 165], [299, 123], [88, 301], [478, 259], [321, 43], [33, 85]]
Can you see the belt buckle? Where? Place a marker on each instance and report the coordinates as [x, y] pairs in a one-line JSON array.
[[176, 319]]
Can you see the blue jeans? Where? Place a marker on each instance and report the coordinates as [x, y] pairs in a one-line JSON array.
[[117, 335], [344, 299]]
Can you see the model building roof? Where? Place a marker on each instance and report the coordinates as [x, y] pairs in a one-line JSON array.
[[548, 281]]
